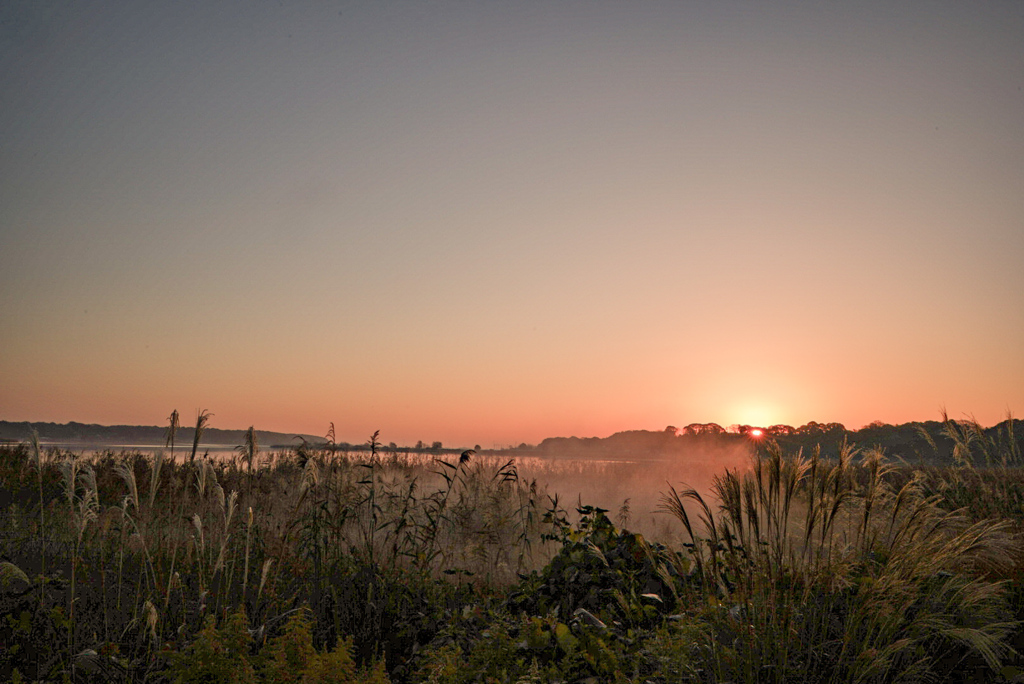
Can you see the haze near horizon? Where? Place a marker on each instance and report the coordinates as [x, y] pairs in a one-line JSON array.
[[494, 223]]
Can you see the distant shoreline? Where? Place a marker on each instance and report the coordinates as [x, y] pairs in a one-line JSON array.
[[81, 435], [929, 442]]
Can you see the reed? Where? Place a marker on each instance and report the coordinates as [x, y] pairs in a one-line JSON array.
[[832, 575], [248, 450], [38, 466], [172, 430], [79, 484], [202, 418], [799, 568]]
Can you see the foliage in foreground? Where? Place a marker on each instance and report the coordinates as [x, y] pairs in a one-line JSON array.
[[223, 655], [124, 568], [809, 570]]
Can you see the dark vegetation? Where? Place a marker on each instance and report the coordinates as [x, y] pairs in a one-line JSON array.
[[91, 435], [915, 443], [97, 435], [324, 565]]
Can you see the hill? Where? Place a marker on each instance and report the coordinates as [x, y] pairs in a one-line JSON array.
[[81, 434]]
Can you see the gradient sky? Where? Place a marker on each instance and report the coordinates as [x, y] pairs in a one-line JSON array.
[[483, 222]]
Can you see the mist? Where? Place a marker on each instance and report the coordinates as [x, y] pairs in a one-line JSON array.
[[630, 488]]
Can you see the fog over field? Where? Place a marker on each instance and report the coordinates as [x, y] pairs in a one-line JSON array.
[[639, 484]]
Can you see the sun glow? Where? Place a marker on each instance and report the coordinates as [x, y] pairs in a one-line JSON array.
[[756, 414]]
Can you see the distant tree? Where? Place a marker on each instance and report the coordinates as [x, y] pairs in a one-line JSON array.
[[781, 430], [392, 446], [477, 447], [420, 444], [436, 446], [810, 428], [704, 429]]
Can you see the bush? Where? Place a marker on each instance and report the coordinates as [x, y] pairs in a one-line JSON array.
[[217, 655], [223, 655]]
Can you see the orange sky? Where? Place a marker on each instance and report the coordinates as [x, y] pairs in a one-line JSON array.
[[490, 224]]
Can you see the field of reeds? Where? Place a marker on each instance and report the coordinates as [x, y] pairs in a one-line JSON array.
[[318, 565]]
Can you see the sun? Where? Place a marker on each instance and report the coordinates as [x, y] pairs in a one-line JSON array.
[[756, 433]]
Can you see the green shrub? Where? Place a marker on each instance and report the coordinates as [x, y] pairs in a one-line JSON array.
[[288, 657], [615, 575], [217, 655], [222, 655], [291, 658]]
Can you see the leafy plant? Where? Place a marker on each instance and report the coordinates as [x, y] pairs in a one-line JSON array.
[[217, 655], [607, 575]]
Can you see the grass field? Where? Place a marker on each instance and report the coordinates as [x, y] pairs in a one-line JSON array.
[[317, 565]]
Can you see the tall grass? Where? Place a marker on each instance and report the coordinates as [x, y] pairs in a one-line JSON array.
[[79, 484], [794, 569], [987, 475], [826, 572], [38, 466]]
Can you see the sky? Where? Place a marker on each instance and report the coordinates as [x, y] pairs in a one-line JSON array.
[[491, 223]]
